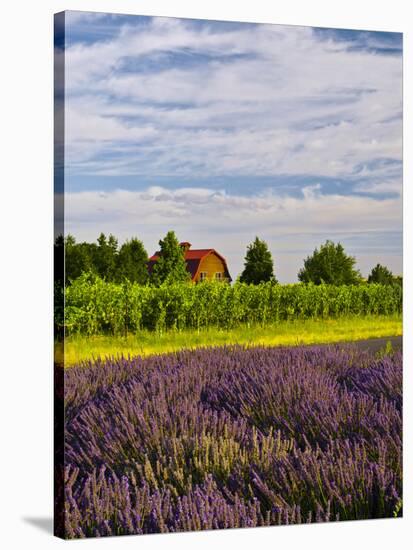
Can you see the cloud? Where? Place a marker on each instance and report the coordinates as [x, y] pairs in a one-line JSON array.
[[183, 97], [293, 226], [379, 187], [172, 105]]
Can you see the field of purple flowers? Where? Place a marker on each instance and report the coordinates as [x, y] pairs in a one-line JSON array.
[[232, 437]]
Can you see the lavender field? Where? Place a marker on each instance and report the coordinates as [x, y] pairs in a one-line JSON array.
[[232, 437]]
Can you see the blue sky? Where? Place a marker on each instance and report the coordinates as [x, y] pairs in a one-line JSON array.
[[223, 131]]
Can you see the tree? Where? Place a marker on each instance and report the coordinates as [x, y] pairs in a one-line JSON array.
[[58, 260], [329, 265], [105, 257], [398, 280], [382, 275], [170, 266], [258, 265], [132, 262], [77, 259]]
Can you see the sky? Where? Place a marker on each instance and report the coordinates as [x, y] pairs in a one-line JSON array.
[[226, 131]]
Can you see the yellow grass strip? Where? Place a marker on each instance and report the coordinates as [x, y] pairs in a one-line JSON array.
[[285, 333]]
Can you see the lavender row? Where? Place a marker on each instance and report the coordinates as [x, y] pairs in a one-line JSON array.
[[232, 437]]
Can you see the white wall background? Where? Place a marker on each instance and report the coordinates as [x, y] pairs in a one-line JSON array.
[[26, 122]]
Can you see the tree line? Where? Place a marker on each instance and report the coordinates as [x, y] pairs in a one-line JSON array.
[[328, 264]]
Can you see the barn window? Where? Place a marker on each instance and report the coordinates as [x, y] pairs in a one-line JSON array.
[[219, 276], [202, 275]]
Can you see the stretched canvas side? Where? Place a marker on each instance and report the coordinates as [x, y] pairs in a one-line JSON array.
[[59, 271]]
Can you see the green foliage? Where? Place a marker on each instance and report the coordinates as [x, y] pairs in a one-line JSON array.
[[398, 509], [78, 258], [258, 266], [103, 259], [386, 351], [58, 260], [132, 262], [94, 306], [381, 275], [171, 266], [329, 265]]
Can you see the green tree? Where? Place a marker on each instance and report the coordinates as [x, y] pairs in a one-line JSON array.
[[132, 262], [105, 257], [258, 265], [171, 265], [398, 280], [330, 265], [77, 259], [58, 296], [382, 275], [58, 259]]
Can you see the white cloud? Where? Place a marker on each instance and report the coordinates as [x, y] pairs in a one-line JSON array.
[[292, 226], [247, 101], [292, 104], [379, 187]]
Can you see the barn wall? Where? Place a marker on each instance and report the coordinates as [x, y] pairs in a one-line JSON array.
[[211, 264]]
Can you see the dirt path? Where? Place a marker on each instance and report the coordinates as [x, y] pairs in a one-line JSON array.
[[377, 344]]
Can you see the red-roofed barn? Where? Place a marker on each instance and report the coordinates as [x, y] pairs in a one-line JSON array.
[[202, 264]]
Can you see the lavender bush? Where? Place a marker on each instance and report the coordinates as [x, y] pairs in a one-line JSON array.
[[231, 437]]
